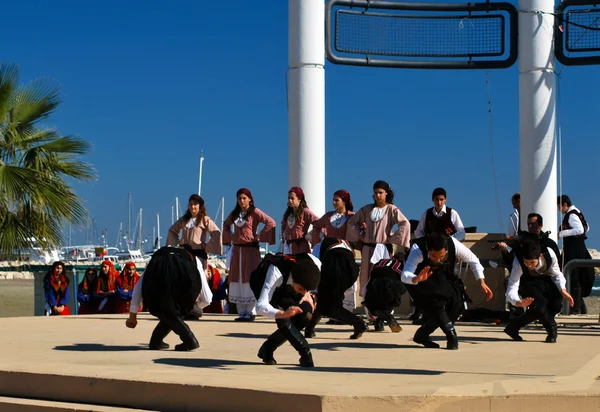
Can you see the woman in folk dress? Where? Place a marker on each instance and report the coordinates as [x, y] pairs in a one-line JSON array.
[[245, 253]]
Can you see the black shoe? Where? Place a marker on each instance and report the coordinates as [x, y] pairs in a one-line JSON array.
[[266, 355], [359, 330], [420, 321], [160, 346], [426, 341], [379, 325], [514, 334], [306, 361], [309, 333], [187, 346]]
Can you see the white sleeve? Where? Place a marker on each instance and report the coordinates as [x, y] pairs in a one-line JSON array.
[[415, 256], [513, 225], [273, 280], [458, 225], [512, 291], [465, 254], [576, 227], [420, 230], [557, 276], [136, 296]]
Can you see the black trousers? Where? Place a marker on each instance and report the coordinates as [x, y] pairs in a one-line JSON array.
[[290, 330], [171, 321]]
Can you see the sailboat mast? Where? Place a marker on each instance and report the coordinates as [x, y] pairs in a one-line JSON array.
[[158, 228], [141, 231], [200, 173]]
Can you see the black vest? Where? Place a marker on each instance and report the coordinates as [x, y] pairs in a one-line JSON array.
[[442, 224], [526, 270], [447, 266], [565, 224]]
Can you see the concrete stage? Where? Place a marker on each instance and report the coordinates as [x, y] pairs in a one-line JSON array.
[[96, 360]]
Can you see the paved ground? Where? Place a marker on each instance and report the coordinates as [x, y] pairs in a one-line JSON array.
[[378, 366]]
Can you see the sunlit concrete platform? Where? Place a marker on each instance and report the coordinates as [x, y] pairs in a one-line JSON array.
[[96, 360]]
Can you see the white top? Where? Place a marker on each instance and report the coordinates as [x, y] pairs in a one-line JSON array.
[[512, 291], [136, 296], [454, 218], [462, 252], [274, 280], [513, 223], [575, 223]]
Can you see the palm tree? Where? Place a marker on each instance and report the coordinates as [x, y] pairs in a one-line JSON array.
[[36, 165]]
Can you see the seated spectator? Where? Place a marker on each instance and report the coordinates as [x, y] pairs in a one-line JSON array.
[[56, 290], [88, 303]]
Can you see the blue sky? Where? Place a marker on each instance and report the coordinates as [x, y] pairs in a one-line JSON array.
[[152, 86]]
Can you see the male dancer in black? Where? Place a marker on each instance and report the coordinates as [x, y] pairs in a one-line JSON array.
[[536, 283], [169, 287], [286, 297], [339, 271], [434, 286]]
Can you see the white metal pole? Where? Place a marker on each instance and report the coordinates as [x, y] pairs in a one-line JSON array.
[[306, 99], [222, 213], [141, 240], [172, 215], [537, 108], [158, 228], [176, 208], [200, 174]]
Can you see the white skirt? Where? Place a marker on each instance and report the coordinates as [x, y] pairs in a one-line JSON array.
[[241, 293]]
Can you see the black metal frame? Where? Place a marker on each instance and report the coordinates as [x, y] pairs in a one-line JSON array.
[[559, 36], [423, 64]]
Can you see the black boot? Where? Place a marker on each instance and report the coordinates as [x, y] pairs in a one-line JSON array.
[[178, 326], [350, 318], [309, 332], [297, 340], [268, 348], [447, 327], [422, 336], [160, 332], [515, 325], [549, 323]]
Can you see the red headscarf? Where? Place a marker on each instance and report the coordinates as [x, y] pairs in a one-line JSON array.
[[58, 283], [244, 191], [107, 283], [298, 191], [345, 196], [125, 281], [89, 286]]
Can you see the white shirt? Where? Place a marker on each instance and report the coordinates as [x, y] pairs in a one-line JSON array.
[[513, 223], [274, 280], [454, 218], [136, 296], [462, 252], [512, 291], [575, 223]]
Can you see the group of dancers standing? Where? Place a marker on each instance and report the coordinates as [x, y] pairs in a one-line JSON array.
[[313, 276]]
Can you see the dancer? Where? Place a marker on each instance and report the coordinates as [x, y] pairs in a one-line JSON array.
[[170, 287], [434, 286], [245, 250], [339, 271], [535, 277], [296, 222], [286, 297], [384, 292]]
